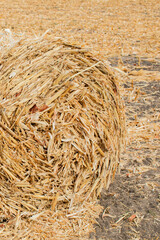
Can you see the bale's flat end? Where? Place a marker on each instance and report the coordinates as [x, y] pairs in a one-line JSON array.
[[61, 127]]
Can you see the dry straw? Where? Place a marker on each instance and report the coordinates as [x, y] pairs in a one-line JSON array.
[[61, 134]]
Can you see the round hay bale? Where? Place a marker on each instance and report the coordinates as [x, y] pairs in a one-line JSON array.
[[61, 124]]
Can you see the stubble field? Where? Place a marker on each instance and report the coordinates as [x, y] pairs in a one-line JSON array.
[[126, 35]]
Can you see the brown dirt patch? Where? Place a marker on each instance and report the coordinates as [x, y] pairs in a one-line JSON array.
[[136, 189]]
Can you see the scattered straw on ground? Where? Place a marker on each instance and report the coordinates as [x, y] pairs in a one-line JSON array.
[[109, 27]]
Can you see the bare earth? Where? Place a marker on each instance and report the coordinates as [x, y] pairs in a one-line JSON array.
[[125, 33], [135, 191]]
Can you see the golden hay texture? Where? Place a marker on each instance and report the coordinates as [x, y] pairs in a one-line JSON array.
[[61, 133]]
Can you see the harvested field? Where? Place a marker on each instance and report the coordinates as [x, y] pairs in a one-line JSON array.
[[125, 34]]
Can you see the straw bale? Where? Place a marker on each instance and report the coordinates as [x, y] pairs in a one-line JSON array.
[[61, 132]]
